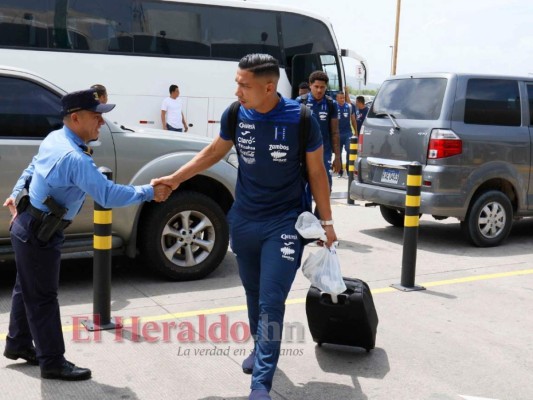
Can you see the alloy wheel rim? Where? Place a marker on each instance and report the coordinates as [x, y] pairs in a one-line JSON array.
[[188, 238], [492, 220]]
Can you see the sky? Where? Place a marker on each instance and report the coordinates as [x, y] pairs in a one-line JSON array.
[[483, 36]]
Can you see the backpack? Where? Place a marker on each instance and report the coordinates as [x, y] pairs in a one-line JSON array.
[[303, 129]]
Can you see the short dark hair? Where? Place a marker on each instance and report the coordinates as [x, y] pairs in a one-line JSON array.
[[360, 99], [100, 89], [303, 85], [260, 64], [318, 76], [172, 88]]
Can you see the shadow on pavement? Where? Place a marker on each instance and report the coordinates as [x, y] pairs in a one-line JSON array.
[[338, 360], [446, 238], [76, 279], [82, 390]]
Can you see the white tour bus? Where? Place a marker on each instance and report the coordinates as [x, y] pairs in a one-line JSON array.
[[138, 48]]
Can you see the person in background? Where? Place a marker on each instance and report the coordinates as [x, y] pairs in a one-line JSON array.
[[346, 117], [172, 116], [360, 112], [303, 88], [268, 200], [101, 91], [44, 201], [325, 112]]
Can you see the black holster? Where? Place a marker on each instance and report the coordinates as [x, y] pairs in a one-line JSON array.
[[23, 197], [52, 221], [22, 200], [49, 225]]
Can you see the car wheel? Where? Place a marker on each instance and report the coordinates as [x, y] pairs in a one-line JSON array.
[[393, 216], [489, 219], [185, 237]]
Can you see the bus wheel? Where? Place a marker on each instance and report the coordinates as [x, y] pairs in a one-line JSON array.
[[489, 219], [185, 237]]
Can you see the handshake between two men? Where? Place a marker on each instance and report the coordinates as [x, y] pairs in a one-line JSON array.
[[164, 186], [161, 191]]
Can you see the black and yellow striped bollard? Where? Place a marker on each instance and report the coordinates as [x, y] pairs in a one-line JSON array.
[[352, 158], [410, 230], [103, 219]]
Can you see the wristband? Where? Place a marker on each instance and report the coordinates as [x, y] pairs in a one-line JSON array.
[[326, 223]]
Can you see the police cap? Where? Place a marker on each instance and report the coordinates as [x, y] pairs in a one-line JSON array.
[[84, 100]]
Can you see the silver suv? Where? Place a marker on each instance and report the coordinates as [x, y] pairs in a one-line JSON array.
[[185, 237], [473, 136]]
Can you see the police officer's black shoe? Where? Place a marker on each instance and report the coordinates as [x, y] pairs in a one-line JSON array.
[[67, 372], [26, 354]]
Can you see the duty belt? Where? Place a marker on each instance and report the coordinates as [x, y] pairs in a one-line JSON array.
[[39, 215]]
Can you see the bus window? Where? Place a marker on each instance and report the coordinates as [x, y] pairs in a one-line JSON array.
[[235, 34], [98, 26], [24, 23], [304, 35]]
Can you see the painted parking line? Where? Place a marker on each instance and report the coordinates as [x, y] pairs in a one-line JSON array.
[[226, 310]]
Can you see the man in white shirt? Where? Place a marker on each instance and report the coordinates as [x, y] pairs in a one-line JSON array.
[[171, 111]]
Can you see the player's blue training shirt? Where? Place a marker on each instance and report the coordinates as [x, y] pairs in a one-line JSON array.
[[269, 181]]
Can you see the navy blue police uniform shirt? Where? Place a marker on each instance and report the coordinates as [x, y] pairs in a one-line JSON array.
[[322, 114], [269, 182], [344, 115]]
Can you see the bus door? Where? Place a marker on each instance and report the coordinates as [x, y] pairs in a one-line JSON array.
[[304, 64]]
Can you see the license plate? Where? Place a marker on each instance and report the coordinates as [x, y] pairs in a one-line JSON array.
[[390, 175]]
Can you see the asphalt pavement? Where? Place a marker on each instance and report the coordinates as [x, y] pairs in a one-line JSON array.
[[466, 336]]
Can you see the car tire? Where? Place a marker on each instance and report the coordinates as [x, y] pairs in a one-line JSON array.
[[185, 237], [489, 219], [393, 216]]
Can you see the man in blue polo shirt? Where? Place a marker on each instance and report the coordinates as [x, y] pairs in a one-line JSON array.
[[269, 194]]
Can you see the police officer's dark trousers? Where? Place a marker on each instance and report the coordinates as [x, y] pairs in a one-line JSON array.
[[268, 254], [35, 309]]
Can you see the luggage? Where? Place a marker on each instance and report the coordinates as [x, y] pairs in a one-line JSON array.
[[352, 321]]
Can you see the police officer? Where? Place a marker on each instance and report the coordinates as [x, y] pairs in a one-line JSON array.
[[61, 174], [267, 203]]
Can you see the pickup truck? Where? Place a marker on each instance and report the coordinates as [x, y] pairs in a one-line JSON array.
[[184, 238]]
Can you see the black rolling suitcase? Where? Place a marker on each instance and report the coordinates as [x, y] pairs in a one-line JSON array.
[[352, 321]]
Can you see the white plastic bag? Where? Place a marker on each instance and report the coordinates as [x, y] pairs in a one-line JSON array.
[[323, 270], [309, 227]]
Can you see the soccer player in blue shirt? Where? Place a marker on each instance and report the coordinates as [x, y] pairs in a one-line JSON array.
[[269, 193], [325, 112]]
